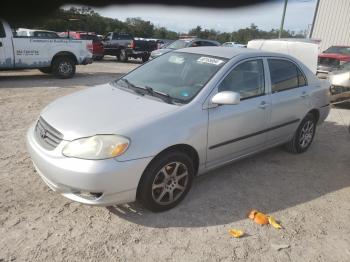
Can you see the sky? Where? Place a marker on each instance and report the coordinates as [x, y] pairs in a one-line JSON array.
[[266, 16]]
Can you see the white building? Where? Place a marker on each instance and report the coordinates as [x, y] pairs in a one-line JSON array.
[[331, 23]]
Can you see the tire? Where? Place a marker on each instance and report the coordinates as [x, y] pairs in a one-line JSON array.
[[98, 58], [46, 70], [162, 177], [304, 135], [145, 58], [63, 67], [123, 56]]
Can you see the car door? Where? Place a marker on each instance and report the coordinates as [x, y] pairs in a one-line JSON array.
[[235, 130], [6, 52], [289, 99]]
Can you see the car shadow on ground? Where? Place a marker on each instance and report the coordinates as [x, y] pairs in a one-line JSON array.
[[51, 81], [270, 181]]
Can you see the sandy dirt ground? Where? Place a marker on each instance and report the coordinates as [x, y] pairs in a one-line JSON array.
[[308, 193]]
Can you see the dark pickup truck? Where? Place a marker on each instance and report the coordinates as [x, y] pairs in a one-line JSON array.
[[124, 45]]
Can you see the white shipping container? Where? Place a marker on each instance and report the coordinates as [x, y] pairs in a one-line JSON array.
[[304, 50]]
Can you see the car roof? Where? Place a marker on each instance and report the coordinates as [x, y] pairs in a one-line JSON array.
[[227, 52]]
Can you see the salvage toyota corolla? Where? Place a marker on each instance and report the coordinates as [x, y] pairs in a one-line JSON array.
[[146, 135]]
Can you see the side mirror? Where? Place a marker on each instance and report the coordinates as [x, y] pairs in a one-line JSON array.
[[226, 98]]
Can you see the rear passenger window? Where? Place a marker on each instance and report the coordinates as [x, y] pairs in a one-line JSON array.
[[285, 75], [247, 79], [2, 31]]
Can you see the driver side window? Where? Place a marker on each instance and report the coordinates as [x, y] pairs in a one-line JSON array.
[[247, 79]]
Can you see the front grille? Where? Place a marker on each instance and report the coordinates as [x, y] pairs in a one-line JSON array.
[[332, 62], [46, 135]]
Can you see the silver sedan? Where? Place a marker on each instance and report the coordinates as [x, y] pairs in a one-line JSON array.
[[146, 135]]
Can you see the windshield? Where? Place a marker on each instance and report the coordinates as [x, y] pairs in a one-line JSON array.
[[338, 50], [179, 44], [179, 75]]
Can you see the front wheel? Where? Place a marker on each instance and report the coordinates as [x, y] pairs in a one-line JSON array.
[[166, 181], [304, 135], [64, 67]]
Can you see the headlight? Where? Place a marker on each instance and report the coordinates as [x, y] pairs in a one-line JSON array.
[[97, 147]]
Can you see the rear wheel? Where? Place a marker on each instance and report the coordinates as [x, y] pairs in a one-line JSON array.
[[145, 58], [304, 135], [123, 56], [166, 181], [98, 58], [64, 67]]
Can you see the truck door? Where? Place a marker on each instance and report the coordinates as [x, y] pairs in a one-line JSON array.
[[6, 53]]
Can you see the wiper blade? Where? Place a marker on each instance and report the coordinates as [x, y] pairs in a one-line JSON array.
[[150, 91], [132, 86], [165, 97]]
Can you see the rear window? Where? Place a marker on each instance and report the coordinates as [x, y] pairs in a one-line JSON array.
[[45, 34], [94, 38], [207, 43], [2, 31], [122, 37], [179, 44], [285, 75]]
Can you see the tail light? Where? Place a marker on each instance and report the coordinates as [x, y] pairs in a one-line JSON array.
[[133, 44], [89, 47]]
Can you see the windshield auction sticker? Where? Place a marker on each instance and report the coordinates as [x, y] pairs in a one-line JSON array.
[[209, 60]]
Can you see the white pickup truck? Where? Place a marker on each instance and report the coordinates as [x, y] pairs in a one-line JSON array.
[[58, 56]]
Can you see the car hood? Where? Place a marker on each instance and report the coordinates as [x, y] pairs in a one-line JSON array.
[[340, 78], [103, 109], [162, 51], [335, 56]]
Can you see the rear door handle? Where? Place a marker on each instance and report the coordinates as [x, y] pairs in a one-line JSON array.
[[304, 94], [263, 105]]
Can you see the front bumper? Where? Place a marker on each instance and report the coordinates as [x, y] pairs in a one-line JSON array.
[[137, 53], [93, 182]]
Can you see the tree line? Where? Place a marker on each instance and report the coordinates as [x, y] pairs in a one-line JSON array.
[[86, 19]]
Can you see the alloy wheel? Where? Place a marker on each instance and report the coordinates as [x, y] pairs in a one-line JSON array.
[[170, 183], [306, 134]]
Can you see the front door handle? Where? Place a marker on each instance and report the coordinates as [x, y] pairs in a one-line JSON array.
[[304, 94], [263, 105]]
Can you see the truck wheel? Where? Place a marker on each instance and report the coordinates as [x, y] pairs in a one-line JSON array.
[[46, 70], [63, 67], [123, 56], [145, 58], [98, 58]]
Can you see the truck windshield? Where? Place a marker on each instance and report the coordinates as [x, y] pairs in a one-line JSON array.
[[179, 75], [338, 50]]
